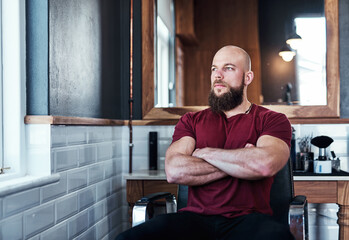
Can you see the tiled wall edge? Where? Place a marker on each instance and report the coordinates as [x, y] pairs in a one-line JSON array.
[[25, 183]]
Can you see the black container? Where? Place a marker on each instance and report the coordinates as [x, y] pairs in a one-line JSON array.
[[304, 162], [153, 151]]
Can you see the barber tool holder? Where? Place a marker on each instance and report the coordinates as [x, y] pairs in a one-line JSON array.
[[304, 158], [322, 164], [304, 162], [336, 163]]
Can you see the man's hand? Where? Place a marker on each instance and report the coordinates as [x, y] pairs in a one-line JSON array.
[[249, 145], [200, 152]]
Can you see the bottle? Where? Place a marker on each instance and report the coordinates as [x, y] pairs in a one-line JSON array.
[[153, 151]]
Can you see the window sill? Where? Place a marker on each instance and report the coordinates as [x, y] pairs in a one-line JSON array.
[[61, 120], [23, 183]]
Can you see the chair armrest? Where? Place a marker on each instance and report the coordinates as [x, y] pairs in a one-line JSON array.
[[298, 217], [155, 196], [299, 200], [144, 209]]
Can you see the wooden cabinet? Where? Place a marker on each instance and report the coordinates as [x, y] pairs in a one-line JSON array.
[[328, 191]]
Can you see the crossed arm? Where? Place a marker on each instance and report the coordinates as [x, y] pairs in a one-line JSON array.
[[186, 165]]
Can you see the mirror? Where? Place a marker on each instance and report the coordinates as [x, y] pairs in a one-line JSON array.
[[330, 109], [287, 81]]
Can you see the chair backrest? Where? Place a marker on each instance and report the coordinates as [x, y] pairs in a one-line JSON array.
[[182, 196], [281, 194]]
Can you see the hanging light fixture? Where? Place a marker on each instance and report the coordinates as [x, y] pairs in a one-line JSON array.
[[286, 53], [294, 41]]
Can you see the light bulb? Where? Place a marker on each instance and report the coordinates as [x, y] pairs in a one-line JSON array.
[[287, 56], [295, 43]]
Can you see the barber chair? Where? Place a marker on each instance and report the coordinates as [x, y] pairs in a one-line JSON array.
[[287, 208]]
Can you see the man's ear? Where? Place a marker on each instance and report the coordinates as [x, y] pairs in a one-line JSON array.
[[248, 78]]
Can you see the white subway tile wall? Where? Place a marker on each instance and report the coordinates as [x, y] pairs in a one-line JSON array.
[[338, 132], [88, 155], [38, 219], [19, 202], [89, 201], [12, 228], [54, 190], [66, 207], [141, 143], [78, 224], [86, 198], [56, 232], [65, 158]]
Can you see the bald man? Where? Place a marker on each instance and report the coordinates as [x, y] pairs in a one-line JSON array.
[[227, 155]]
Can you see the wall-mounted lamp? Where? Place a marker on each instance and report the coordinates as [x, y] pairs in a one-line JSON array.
[[286, 53], [294, 41]]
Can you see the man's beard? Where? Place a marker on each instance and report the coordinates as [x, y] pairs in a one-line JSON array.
[[226, 101]]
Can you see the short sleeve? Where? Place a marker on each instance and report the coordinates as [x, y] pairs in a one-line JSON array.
[[184, 127], [278, 125]]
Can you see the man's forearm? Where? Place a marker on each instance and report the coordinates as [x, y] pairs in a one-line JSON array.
[[249, 162], [236, 163], [192, 171]]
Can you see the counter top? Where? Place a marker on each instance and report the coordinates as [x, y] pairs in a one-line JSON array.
[[321, 178], [161, 175], [309, 176], [146, 175]]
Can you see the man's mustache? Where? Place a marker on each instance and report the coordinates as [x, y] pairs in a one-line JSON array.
[[220, 82]]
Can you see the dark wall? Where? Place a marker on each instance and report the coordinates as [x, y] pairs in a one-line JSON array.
[[88, 59], [37, 57], [137, 59]]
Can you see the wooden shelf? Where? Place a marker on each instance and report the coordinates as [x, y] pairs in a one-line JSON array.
[[319, 120], [61, 120]]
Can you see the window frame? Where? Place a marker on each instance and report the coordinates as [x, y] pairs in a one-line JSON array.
[[1, 125], [13, 92]]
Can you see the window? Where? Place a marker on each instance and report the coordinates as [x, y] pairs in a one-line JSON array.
[[311, 60], [164, 82], [12, 92]]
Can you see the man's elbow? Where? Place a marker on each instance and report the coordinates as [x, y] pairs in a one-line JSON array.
[[266, 172], [170, 179], [170, 170], [270, 169], [171, 175]]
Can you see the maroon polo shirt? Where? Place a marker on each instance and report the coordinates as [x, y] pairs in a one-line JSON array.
[[230, 196]]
